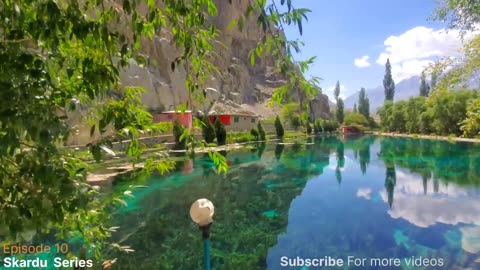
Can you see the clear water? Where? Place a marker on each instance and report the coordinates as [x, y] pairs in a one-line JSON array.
[[365, 196]]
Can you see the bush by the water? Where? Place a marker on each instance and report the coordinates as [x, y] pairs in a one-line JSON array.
[[254, 133], [261, 132], [178, 130], [356, 119], [444, 114], [208, 132], [309, 128], [221, 132], [279, 127]]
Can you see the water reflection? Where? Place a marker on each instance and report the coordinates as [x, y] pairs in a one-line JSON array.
[[398, 198]]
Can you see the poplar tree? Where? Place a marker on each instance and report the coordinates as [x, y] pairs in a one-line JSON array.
[[340, 106], [424, 87], [388, 83]]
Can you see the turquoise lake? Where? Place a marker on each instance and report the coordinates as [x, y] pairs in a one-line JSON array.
[[367, 197]]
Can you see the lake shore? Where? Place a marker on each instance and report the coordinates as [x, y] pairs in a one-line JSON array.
[[431, 137]]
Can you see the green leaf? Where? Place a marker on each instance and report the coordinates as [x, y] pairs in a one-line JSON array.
[[92, 130], [252, 59]]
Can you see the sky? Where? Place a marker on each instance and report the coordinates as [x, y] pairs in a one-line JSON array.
[[353, 39]]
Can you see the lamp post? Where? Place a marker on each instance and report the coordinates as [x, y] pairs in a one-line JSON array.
[[201, 212]]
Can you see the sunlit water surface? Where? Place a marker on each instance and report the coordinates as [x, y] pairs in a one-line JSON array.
[[366, 197]]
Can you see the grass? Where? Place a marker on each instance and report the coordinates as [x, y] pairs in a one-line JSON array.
[[239, 137]]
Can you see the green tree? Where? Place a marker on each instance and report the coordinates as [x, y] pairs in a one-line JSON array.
[[339, 114], [290, 114], [415, 108], [220, 131], [471, 125], [356, 119], [460, 14], [398, 116], [279, 127], [336, 91], [295, 121], [355, 108], [386, 112], [255, 134], [433, 80], [261, 132], [178, 131], [309, 128], [363, 104], [424, 87], [208, 132], [388, 83]]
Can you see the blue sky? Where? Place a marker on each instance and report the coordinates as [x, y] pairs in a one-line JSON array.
[[340, 31]]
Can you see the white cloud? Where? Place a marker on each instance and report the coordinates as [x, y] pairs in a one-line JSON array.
[[412, 50], [450, 204], [364, 193], [362, 62]]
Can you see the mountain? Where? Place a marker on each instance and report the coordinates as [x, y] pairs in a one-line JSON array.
[[403, 90], [238, 82]]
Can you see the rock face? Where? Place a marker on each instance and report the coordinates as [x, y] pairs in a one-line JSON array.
[[239, 82]]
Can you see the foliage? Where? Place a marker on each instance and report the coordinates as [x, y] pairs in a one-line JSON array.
[[309, 128], [355, 110], [296, 121], [178, 130], [329, 125], [272, 22], [57, 57], [279, 127], [471, 125], [356, 119], [239, 137], [388, 83], [261, 132], [317, 126], [340, 112], [208, 132], [363, 104], [424, 87], [255, 134], [442, 114], [290, 113], [460, 14], [220, 131]]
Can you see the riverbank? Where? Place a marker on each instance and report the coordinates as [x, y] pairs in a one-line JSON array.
[[114, 166], [431, 137]]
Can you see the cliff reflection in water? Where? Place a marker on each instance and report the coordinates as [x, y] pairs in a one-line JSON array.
[[363, 196]]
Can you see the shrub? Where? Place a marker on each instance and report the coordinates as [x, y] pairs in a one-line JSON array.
[[220, 132], [356, 119], [279, 127], [296, 121], [309, 128], [261, 132], [178, 130], [318, 126], [208, 132], [254, 133]]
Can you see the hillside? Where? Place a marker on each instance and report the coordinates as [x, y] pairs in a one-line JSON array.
[[247, 86]]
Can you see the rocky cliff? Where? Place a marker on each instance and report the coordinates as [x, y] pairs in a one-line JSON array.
[[248, 86]]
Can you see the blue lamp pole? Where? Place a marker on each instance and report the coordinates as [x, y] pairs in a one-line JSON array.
[[201, 212], [206, 245]]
